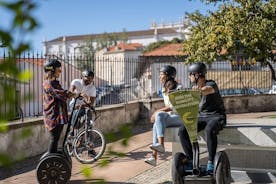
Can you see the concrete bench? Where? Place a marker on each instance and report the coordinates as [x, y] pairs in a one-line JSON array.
[[249, 143]]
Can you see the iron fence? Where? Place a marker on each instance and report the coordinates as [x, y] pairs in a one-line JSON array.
[[120, 80]]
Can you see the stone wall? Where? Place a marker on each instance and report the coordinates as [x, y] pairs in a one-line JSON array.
[[111, 118], [250, 103]]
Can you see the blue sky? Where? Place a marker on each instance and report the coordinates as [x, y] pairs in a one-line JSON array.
[[75, 17]]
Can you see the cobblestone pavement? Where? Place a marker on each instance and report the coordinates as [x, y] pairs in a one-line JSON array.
[[156, 175]]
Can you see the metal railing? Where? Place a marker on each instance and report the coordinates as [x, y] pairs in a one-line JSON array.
[[120, 80]]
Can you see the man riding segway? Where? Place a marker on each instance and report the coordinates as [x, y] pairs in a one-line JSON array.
[[200, 108], [211, 116]]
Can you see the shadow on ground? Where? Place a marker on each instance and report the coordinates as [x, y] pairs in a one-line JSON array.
[[31, 163], [93, 181], [19, 167]]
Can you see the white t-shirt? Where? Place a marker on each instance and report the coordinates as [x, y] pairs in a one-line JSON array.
[[89, 90], [167, 100]]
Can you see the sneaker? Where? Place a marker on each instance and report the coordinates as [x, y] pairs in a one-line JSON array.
[[210, 168], [151, 160], [158, 147]]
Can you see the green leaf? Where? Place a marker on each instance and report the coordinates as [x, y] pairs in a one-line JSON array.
[[5, 160], [87, 171], [104, 162], [25, 76], [3, 126]]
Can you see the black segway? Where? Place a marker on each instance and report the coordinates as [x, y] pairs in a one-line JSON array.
[[186, 104], [55, 168]]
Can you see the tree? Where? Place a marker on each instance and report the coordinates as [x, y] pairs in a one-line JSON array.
[[85, 60], [239, 29], [22, 23], [161, 43], [12, 38], [90, 46]]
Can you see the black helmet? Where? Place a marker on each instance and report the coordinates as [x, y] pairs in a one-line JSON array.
[[198, 67], [169, 70], [87, 73], [51, 65]]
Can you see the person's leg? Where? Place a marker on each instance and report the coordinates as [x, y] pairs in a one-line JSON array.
[[73, 122], [211, 131], [156, 139], [166, 120], [174, 121], [160, 122], [154, 134], [185, 142], [185, 139], [55, 134], [160, 125], [152, 159]]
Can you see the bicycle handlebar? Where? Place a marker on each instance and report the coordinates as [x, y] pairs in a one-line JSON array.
[[88, 104]]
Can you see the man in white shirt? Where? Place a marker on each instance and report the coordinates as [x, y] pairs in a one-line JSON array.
[[85, 87], [87, 90]]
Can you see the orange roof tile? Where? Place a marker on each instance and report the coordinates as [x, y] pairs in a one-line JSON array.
[[125, 47], [37, 61], [174, 49]]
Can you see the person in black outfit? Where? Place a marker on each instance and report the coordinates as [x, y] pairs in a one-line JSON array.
[[211, 116]]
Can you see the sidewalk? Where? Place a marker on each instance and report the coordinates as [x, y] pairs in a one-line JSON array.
[[129, 169], [119, 170]]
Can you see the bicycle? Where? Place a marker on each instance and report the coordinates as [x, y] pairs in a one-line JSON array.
[[86, 145]]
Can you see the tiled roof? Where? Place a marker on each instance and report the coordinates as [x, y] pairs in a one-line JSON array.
[[128, 33], [37, 61], [125, 47], [174, 49]]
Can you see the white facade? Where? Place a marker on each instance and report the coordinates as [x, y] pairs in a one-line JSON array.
[[69, 45]]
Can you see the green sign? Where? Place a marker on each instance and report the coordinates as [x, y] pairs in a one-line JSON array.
[[186, 105]]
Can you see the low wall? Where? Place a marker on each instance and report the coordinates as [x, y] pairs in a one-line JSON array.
[[16, 142], [250, 103], [111, 118]]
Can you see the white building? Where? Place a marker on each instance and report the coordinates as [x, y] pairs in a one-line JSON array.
[[118, 64], [70, 45]]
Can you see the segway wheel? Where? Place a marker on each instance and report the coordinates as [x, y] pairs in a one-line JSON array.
[[178, 168], [53, 169], [222, 172], [66, 155]]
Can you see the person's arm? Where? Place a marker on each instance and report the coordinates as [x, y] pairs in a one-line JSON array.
[[92, 99], [207, 90], [90, 96], [72, 88], [60, 94]]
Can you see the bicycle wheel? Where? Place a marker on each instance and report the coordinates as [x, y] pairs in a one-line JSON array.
[[89, 146], [69, 147], [70, 142]]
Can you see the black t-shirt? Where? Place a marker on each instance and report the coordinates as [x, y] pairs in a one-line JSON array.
[[212, 103]]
